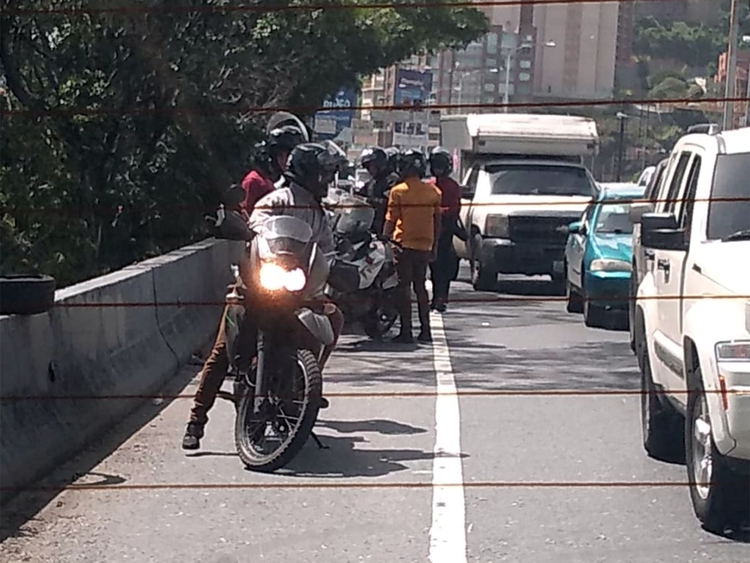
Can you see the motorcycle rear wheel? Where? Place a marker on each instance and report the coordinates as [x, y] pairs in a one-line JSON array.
[[381, 320], [310, 392]]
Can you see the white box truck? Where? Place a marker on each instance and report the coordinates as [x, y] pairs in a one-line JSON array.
[[524, 179]]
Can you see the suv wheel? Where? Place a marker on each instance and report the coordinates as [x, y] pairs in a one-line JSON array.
[[661, 425], [573, 302], [718, 494]]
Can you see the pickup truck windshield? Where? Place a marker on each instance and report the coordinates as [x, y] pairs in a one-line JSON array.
[[729, 208], [533, 179]]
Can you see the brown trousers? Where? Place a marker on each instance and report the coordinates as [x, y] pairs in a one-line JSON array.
[[215, 369], [411, 266]]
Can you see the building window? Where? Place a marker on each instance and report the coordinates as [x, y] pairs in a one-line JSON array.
[[492, 43]]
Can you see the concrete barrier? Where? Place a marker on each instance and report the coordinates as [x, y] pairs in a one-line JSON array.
[[60, 370]]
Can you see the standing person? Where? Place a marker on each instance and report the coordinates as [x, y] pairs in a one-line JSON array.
[[382, 179], [413, 221], [443, 270], [269, 162]]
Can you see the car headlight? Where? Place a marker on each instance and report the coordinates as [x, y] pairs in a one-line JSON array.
[[605, 265], [274, 278], [737, 351], [497, 226]]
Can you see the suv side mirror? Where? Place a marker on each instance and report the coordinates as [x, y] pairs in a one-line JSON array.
[[467, 192], [661, 232]]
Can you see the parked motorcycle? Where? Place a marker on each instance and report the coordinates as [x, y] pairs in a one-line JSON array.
[[371, 301], [278, 383]]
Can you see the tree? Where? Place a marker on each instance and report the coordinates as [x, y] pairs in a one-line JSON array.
[[121, 129]]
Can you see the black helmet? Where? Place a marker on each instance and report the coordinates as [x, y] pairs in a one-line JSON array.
[[376, 156], [392, 153], [285, 138], [261, 159], [441, 162], [313, 167], [280, 140], [412, 163]]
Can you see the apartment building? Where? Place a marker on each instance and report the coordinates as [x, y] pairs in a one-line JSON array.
[[582, 50]]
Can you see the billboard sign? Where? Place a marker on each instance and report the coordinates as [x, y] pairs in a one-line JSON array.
[[412, 86], [330, 123]]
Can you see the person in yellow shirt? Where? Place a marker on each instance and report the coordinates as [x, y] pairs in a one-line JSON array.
[[413, 221]]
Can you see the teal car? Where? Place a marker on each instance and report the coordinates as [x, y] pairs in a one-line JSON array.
[[598, 255]]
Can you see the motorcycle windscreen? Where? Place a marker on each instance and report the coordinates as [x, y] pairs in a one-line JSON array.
[[286, 236], [355, 215]]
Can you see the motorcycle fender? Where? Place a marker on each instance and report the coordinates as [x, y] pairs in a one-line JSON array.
[[391, 282], [317, 325]]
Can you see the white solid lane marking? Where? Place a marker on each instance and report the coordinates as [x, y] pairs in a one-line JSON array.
[[448, 531]]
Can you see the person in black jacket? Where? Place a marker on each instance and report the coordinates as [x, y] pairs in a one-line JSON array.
[[375, 161]]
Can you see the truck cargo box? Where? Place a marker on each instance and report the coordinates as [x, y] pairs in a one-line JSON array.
[[520, 134]]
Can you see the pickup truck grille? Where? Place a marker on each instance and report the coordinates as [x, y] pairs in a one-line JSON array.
[[543, 230]]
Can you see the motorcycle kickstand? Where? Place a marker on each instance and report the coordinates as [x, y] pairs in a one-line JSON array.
[[320, 444]]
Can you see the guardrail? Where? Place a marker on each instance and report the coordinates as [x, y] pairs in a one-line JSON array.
[[82, 349]]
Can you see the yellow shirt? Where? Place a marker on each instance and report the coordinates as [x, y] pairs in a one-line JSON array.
[[412, 206]]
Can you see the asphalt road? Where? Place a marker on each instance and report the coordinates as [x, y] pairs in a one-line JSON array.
[[548, 469]]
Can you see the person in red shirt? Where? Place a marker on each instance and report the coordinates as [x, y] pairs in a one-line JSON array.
[[269, 162], [445, 268]]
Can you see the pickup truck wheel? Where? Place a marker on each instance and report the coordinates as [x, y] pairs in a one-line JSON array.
[[481, 279], [661, 425], [719, 495], [631, 310], [26, 295]]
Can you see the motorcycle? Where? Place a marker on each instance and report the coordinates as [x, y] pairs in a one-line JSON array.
[[274, 360], [371, 300]]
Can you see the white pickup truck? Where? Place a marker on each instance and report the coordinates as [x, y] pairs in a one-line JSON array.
[[692, 322], [524, 181]]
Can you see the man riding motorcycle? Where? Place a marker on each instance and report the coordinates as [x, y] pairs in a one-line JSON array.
[[383, 178], [269, 161], [310, 170]]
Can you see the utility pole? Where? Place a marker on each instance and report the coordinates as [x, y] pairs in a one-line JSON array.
[[734, 24], [621, 145]]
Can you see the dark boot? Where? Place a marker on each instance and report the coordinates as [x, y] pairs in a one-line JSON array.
[[192, 438]]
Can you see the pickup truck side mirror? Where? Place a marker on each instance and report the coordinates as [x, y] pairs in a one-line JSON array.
[[660, 231], [467, 192], [638, 210]]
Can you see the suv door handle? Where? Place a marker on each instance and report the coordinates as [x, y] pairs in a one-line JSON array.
[[663, 264], [649, 254]]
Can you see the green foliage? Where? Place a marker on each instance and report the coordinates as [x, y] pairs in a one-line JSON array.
[[121, 130]]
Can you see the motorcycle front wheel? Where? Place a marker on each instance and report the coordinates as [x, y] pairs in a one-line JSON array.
[[270, 439]]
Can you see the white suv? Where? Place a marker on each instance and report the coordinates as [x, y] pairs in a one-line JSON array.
[[693, 322]]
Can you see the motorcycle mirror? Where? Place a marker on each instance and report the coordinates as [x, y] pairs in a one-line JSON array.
[[234, 196], [231, 226]]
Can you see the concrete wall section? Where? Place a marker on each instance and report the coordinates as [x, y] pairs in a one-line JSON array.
[[106, 337]]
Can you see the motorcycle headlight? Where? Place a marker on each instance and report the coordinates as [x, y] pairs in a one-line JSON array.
[[605, 265], [497, 226], [274, 278]]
